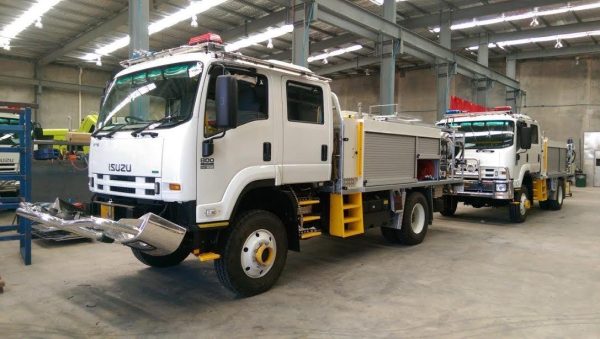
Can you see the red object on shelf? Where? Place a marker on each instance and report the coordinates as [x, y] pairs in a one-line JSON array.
[[463, 105], [208, 37]]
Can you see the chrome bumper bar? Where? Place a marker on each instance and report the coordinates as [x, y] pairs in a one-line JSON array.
[[150, 233]]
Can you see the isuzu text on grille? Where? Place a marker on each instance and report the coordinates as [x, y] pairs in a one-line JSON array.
[[119, 167]]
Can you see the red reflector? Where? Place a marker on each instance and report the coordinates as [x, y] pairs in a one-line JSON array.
[[208, 37], [502, 108]]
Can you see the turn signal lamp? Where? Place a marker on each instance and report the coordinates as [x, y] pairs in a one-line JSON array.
[[208, 37], [174, 187]]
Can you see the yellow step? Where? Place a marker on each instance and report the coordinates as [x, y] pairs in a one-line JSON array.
[[308, 202], [310, 218], [208, 256], [348, 220], [351, 206], [309, 235]]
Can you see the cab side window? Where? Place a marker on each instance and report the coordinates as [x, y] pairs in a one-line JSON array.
[[534, 134], [304, 103], [253, 103]]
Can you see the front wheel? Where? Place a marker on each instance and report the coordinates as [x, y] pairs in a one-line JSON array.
[[449, 206], [518, 211], [253, 253]]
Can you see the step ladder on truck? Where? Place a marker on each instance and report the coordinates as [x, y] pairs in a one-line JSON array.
[[508, 162], [247, 158]]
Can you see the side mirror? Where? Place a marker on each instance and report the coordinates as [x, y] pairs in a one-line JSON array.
[[227, 101], [525, 137]]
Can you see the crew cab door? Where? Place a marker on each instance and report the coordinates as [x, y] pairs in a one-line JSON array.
[[307, 131], [246, 154]]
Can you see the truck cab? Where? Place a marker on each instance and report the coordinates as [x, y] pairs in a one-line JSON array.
[[503, 155]]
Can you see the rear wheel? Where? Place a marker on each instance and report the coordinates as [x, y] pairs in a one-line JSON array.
[[449, 206], [518, 211], [556, 204], [253, 253], [415, 222], [161, 261]]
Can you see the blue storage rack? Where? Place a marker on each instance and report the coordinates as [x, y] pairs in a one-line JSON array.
[[25, 150]]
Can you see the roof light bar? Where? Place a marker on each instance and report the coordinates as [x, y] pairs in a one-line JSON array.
[[523, 16], [502, 44], [186, 13], [337, 52], [260, 37], [32, 16]]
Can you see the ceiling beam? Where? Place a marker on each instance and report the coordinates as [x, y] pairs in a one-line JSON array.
[[102, 29], [421, 47], [557, 52], [526, 34], [475, 12]]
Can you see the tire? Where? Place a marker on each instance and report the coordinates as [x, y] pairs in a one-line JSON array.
[[449, 207], [253, 253], [390, 235], [518, 212], [415, 220], [556, 204], [544, 205], [163, 261]]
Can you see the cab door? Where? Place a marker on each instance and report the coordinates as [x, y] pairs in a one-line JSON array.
[[247, 153], [307, 131]]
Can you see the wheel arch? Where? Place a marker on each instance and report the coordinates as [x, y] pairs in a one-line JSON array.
[[264, 195]]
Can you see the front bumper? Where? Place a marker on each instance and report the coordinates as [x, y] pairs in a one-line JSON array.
[[150, 233], [485, 189]]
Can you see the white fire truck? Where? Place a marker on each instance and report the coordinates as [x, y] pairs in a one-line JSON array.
[[508, 162], [236, 160]]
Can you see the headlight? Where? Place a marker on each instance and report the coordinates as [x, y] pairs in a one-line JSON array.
[[501, 187]]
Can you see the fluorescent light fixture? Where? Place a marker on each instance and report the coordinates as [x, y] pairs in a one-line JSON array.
[[523, 16], [186, 13], [380, 2], [31, 16], [557, 38], [337, 52], [260, 37]]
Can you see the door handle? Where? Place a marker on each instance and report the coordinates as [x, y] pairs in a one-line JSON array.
[[324, 152], [266, 151]]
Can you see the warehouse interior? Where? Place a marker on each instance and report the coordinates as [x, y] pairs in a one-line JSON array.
[[414, 63]]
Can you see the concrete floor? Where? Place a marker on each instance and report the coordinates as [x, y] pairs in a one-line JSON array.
[[476, 275]]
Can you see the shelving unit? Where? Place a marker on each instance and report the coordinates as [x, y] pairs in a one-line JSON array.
[[23, 176]]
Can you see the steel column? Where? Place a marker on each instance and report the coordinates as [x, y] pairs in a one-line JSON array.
[[445, 71], [512, 95], [301, 35], [481, 84], [387, 74], [139, 17]]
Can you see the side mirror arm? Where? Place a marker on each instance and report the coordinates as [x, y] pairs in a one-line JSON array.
[[208, 147]]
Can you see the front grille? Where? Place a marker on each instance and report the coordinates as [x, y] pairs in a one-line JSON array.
[[122, 178], [8, 167], [475, 186], [122, 189], [127, 185]]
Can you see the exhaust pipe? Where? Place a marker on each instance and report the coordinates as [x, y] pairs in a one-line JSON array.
[[151, 233]]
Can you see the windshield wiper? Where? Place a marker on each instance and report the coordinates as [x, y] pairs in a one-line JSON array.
[[110, 133], [136, 132]]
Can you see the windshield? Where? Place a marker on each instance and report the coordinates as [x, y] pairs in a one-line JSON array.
[[9, 139], [166, 92], [486, 134]]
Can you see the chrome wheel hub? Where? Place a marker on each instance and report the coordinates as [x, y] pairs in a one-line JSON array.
[[258, 253]]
